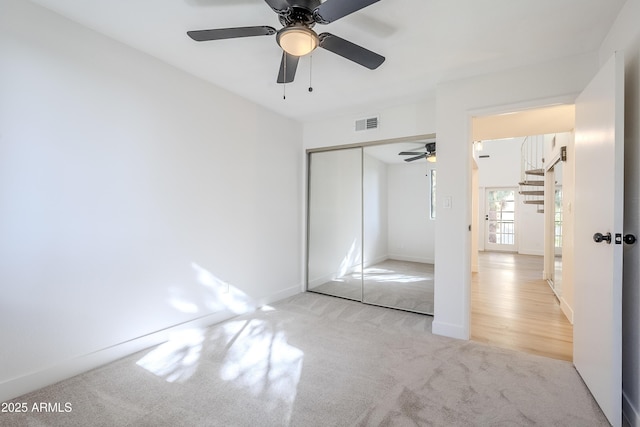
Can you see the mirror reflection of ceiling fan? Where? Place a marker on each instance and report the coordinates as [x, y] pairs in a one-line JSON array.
[[429, 153], [297, 38]]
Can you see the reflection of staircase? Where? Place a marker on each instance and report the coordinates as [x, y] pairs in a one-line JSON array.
[[532, 171]]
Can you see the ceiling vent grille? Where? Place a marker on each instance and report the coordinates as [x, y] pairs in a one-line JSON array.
[[366, 124]]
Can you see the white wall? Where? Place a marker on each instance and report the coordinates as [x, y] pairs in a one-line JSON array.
[[625, 35], [502, 169], [394, 122], [133, 198], [458, 101], [411, 231]]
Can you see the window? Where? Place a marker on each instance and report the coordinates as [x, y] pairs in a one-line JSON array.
[[501, 216]]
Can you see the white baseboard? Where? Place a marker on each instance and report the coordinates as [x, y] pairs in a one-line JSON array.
[[317, 281], [449, 330], [567, 310], [285, 293], [411, 259], [629, 412], [536, 252], [15, 387], [320, 280], [376, 261]]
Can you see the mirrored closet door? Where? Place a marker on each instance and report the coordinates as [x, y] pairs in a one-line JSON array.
[[399, 227], [372, 225], [556, 280], [335, 223]]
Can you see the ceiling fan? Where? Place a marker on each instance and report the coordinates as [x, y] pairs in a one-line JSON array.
[[429, 153], [297, 38]]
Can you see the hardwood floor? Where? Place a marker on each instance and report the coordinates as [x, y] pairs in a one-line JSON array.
[[513, 307]]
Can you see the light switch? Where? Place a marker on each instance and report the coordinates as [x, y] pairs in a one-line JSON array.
[[447, 202]]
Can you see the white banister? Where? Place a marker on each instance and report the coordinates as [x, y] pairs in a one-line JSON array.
[[532, 170]]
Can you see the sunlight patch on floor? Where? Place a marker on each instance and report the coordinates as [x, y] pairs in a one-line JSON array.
[[260, 359], [177, 359]]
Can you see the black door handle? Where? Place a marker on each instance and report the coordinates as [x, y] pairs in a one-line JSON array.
[[629, 239], [599, 237]]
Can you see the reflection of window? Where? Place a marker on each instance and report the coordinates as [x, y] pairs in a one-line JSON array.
[[432, 206]]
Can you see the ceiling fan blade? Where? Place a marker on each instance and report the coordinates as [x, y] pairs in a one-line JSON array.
[[332, 10], [411, 159], [278, 5], [230, 33], [410, 153], [350, 51], [288, 64]]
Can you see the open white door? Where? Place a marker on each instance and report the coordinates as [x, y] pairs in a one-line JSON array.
[[599, 148]]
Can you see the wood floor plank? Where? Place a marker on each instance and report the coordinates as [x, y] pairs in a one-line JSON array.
[[513, 307]]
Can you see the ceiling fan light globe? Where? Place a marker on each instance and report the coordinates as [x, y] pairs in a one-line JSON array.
[[432, 158], [297, 41]]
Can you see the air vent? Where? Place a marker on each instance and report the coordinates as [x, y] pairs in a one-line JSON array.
[[366, 124]]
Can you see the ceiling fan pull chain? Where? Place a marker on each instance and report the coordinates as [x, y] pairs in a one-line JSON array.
[[310, 72], [284, 83]]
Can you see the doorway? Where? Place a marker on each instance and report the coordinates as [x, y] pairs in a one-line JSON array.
[[510, 295]]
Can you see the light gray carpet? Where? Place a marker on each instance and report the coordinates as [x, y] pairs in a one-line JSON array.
[[314, 360], [390, 283]]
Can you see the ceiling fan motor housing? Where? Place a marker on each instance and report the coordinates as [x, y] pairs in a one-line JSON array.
[[300, 12]]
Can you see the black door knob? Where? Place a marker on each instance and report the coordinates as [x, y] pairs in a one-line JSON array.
[[629, 239], [599, 237]]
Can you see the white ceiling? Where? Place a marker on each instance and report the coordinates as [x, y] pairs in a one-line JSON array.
[[424, 41]]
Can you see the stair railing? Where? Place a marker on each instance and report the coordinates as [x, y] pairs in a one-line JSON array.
[[531, 155], [532, 171]]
